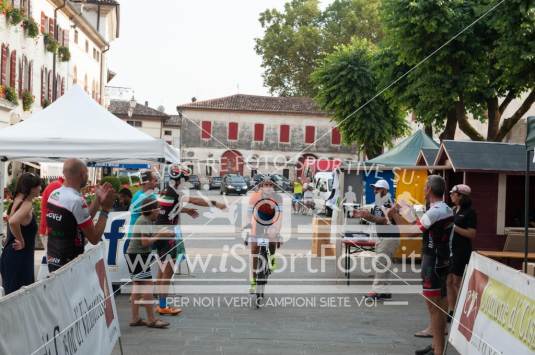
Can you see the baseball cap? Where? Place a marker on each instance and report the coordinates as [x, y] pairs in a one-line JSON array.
[[462, 189], [381, 184]]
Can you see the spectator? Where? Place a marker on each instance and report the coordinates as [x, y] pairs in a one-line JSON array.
[[149, 181], [122, 204], [139, 263], [464, 231], [387, 242], [16, 263], [436, 225], [298, 195], [70, 220], [308, 198], [43, 228]]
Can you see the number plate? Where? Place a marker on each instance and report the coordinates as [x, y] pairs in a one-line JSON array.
[[262, 242]]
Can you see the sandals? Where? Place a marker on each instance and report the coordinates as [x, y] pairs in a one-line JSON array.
[[138, 323], [423, 334], [157, 323]]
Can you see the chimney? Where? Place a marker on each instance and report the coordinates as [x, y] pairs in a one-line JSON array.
[[193, 99], [146, 104]]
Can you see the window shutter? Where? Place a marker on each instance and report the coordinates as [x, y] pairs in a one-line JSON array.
[[30, 77], [259, 132], [310, 134], [335, 136], [62, 86], [233, 131], [284, 136], [43, 22], [66, 38], [3, 66], [51, 27], [21, 76], [43, 84], [13, 70], [49, 84], [206, 130]]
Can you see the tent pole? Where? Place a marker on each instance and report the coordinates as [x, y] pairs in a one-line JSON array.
[[526, 211], [2, 177]]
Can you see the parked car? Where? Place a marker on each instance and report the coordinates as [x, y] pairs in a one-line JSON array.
[[232, 183], [214, 182], [250, 182], [195, 182], [281, 183]]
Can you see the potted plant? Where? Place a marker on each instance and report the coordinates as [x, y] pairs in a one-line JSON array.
[[14, 15], [64, 54], [30, 27], [45, 103], [27, 100], [11, 95], [2, 91], [50, 43]]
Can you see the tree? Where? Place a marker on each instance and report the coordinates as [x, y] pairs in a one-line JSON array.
[[346, 83], [489, 60], [296, 38]]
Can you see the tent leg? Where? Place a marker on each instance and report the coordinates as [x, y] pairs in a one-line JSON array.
[[526, 211]]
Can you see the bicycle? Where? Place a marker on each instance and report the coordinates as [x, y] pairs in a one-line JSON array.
[[262, 270]]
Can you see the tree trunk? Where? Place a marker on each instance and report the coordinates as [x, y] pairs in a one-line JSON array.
[[428, 129], [510, 122], [372, 152], [451, 126], [494, 117], [464, 125]]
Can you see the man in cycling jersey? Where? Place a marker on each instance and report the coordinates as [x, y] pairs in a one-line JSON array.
[[70, 219], [265, 214], [171, 202], [436, 227]]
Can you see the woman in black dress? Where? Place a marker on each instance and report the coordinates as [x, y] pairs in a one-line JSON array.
[[464, 231], [17, 262]]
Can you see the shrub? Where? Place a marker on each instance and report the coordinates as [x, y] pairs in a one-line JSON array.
[[14, 16], [30, 27], [113, 180], [51, 44], [11, 95], [64, 54], [27, 100]]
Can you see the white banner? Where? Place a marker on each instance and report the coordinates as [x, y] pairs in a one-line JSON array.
[[495, 312], [72, 312]]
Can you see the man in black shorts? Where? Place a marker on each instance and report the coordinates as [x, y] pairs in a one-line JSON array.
[[70, 219], [171, 202], [436, 225]]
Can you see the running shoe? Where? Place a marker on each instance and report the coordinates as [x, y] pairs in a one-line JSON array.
[[252, 286], [169, 311]]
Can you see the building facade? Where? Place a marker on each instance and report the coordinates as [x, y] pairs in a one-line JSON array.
[[49, 45], [257, 134]]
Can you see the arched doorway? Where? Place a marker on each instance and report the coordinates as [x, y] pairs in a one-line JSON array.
[[301, 162], [231, 162]]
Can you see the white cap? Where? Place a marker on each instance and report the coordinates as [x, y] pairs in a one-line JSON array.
[[381, 184]]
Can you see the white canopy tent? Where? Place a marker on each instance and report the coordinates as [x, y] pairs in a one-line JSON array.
[[75, 126]]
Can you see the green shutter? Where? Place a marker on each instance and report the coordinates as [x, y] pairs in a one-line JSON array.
[[530, 136]]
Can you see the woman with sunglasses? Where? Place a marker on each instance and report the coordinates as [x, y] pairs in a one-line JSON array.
[[464, 231], [17, 262]]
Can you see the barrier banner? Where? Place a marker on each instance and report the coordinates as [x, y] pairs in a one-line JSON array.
[[71, 312], [495, 312]]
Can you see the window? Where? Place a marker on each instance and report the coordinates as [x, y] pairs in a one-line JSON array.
[[168, 133], [76, 36], [169, 142], [233, 131], [310, 134], [74, 75], [206, 129], [284, 134], [135, 123], [335, 136], [86, 46], [259, 132]]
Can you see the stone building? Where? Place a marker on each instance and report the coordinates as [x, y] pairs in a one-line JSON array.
[[249, 134]]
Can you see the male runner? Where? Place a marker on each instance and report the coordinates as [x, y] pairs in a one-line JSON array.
[[171, 202]]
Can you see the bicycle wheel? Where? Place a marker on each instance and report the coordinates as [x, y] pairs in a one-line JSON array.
[[262, 275]]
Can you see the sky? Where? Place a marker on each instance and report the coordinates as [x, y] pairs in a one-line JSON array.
[[173, 50]]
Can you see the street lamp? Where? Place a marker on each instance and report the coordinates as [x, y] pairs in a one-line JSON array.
[[131, 106]]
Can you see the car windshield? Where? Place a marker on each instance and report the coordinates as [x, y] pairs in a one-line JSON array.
[[236, 179], [216, 178]]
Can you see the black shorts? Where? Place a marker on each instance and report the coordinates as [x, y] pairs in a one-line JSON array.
[[434, 275], [167, 249], [139, 266], [458, 263]]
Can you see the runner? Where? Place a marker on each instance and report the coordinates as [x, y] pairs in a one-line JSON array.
[[171, 202], [149, 181], [265, 208], [436, 225], [70, 220]]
